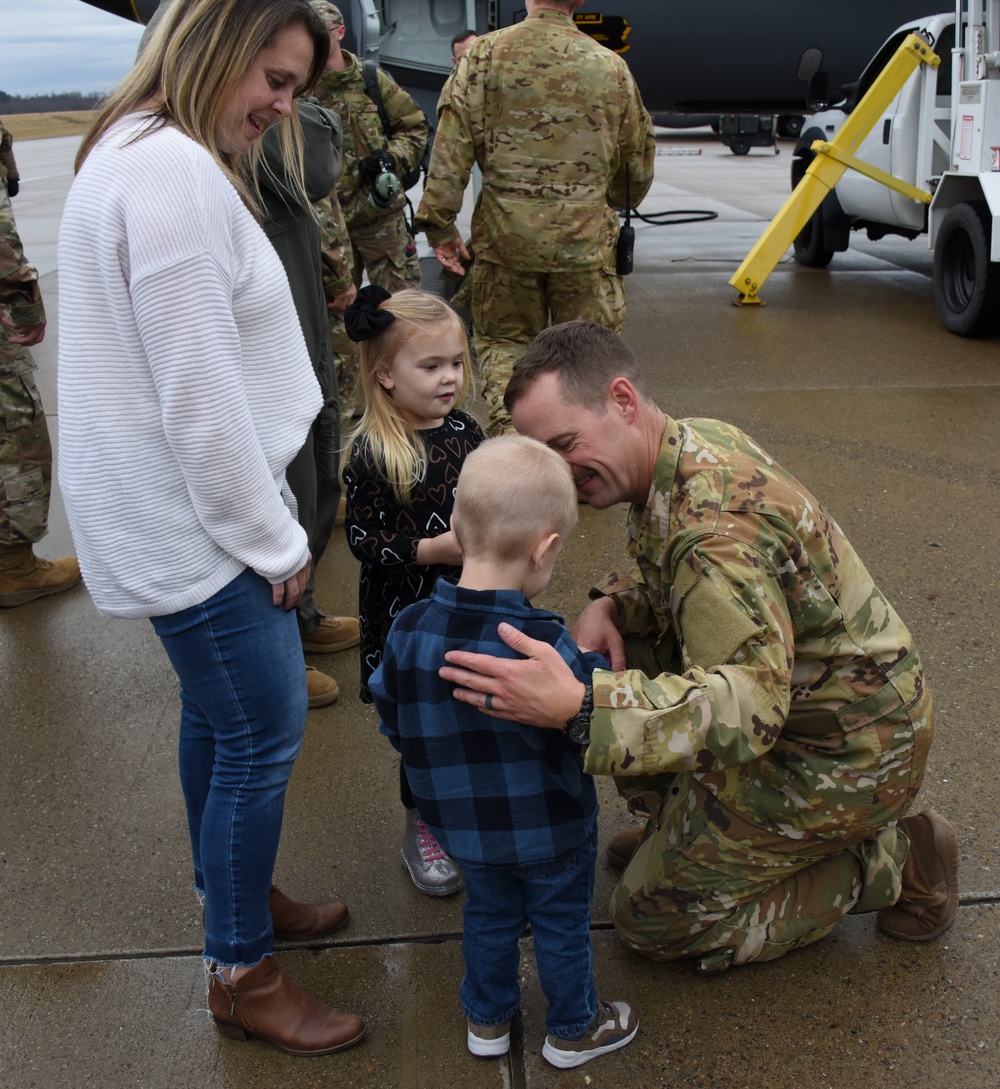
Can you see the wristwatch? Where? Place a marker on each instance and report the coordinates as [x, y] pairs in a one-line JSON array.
[[577, 729]]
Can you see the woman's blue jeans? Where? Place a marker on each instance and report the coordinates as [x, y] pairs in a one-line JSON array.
[[243, 714], [555, 898]]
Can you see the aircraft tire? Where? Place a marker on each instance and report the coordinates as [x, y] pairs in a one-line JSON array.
[[966, 281]]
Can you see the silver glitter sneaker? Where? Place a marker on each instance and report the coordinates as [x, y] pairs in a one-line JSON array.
[[431, 870]]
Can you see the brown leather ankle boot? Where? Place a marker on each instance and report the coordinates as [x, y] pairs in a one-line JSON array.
[[296, 921], [264, 1002]]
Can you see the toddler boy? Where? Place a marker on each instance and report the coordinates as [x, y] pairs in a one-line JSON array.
[[510, 803]]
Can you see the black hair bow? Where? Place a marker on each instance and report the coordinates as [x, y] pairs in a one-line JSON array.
[[363, 318]]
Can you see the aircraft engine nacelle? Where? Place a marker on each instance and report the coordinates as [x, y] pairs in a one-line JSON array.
[[139, 11]]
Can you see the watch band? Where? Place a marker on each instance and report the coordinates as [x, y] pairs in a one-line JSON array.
[[577, 728]]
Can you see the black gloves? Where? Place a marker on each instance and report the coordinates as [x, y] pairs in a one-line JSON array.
[[380, 162]]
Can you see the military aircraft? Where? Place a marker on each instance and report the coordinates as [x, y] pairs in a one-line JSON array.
[[689, 57]]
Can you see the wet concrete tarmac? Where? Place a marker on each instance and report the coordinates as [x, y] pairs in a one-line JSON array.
[[848, 379]]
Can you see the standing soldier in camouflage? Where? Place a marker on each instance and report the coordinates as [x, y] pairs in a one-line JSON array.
[[380, 241], [765, 709], [25, 451], [8, 167], [555, 121], [462, 298]]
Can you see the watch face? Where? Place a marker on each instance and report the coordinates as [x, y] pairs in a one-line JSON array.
[[578, 729]]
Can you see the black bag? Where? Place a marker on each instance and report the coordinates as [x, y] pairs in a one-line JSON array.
[[374, 92]]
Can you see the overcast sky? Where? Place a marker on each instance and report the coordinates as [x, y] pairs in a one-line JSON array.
[[62, 45]]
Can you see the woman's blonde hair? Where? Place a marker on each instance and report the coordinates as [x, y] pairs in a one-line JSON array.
[[512, 491], [393, 442], [194, 63]]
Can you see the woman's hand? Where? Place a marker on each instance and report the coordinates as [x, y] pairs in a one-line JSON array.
[[291, 590], [596, 629], [538, 690]]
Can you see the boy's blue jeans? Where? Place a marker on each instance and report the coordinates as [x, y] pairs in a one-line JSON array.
[[243, 715], [555, 898]]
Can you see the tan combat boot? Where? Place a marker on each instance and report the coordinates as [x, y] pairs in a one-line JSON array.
[[929, 900], [24, 576], [322, 688]]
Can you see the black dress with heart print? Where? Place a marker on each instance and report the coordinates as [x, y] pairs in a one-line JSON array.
[[383, 533]]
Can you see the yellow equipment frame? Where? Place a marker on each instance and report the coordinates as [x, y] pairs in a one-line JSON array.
[[832, 158]]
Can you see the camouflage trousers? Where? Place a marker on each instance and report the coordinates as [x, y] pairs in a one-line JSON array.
[[706, 882], [25, 451], [385, 251], [510, 308]]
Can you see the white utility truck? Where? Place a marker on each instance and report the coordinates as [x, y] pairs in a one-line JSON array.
[[926, 162]]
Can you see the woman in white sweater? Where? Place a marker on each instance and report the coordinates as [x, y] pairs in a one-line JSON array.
[[185, 389]]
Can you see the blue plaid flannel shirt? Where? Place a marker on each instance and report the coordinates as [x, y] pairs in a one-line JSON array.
[[492, 791]]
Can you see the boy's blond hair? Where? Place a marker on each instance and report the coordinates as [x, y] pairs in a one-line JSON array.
[[512, 491]]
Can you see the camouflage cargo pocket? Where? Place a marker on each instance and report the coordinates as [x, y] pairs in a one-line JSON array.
[[24, 506], [20, 404]]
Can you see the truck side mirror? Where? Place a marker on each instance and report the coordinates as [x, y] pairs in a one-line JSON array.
[[818, 92]]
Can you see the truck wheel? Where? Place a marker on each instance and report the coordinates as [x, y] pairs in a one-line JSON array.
[[808, 246], [966, 281], [740, 147]]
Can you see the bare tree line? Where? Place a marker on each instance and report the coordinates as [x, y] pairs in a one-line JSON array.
[[54, 103]]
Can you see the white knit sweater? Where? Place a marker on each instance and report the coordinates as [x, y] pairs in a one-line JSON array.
[[185, 387]]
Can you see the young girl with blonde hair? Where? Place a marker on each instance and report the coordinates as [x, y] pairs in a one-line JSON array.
[[404, 458]]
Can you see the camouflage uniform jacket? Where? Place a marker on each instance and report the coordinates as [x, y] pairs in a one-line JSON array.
[[344, 92], [19, 294], [553, 119], [8, 167], [772, 611], [338, 263]]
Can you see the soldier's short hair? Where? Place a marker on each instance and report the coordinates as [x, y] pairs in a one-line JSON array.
[[586, 356], [329, 13], [512, 492]]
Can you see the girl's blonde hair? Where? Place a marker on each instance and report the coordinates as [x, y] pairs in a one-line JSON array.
[[393, 442], [191, 67]]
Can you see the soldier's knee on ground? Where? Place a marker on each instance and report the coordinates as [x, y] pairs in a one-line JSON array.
[[651, 928]]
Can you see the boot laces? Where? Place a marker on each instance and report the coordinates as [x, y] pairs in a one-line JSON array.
[[430, 849]]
